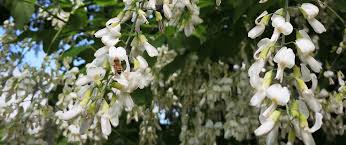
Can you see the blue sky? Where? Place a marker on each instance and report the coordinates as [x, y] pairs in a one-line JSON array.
[[34, 57]]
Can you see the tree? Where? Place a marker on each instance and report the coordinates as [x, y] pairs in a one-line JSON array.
[[172, 72]]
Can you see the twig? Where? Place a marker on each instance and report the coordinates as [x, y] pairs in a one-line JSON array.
[[44, 9], [337, 15], [133, 27], [286, 19]]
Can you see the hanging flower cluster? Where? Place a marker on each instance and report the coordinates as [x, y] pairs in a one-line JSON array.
[[276, 96], [97, 99], [333, 101], [185, 15], [24, 110]]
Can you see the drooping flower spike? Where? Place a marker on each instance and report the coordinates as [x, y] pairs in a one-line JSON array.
[[274, 98]]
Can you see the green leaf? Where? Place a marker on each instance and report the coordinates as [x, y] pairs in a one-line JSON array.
[[74, 51], [21, 10], [341, 5], [77, 20], [49, 39], [105, 2]]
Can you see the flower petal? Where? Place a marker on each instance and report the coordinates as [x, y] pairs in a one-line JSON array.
[[101, 32], [317, 26], [256, 31], [318, 123], [257, 99], [313, 63], [106, 126], [151, 50], [265, 127]]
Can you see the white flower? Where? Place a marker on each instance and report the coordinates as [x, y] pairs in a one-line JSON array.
[[317, 26], [318, 123], [323, 93], [73, 129], [73, 112], [151, 4], [314, 81], [101, 56], [278, 94], [63, 15], [114, 112], [166, 10], [307, 137], [127, 3], [311, 101], [260, 26], [280, 26], [263, 1], [302, 133], [254, 72], [106, 127], [312, 62], [140, 63], [263, 45], [310, 11], [188, 29], [328, 74], [268, 124], [139, 18], [130, 81], [111, 33], [256, 31], [260, 94], [272, 136], [305, 72], [218, 2], [120, 54], [304, 43], [101, 52], [189, 26], [94, 74], [142, 43], [305, 46], [305, 49], [284, 58], [127, 101]]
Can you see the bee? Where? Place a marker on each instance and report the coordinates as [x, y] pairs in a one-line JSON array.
[[117, 66]]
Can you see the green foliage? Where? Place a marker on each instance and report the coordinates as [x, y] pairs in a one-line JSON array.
[[21, 10]]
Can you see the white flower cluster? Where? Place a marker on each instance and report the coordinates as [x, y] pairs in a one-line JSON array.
[[185, 15], [58, 16], [275, 98], [333, 101], [101, 95], [24, 109], [213, 90]]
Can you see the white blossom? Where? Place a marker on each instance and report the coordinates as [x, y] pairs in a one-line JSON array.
[[280, 26], [284, 58], [111, 33], [268, 124], [142, 43], [278, 94], [310, 11], [260, 26], [260, 94]]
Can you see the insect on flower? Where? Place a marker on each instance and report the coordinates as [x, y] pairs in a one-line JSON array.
[[117, 66]]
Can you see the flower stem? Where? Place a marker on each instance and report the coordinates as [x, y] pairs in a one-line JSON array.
[[286, 19]]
